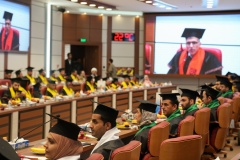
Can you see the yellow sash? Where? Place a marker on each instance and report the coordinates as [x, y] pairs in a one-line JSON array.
[[44, 79], [74, 78], [125, 85], [114, 86], [91, 86], [53, 92], [69, 91], [28, 94], [32, 80], [13, 95], [53, 79], [61, 78]]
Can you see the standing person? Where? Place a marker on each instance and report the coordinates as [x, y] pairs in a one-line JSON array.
[[9, 37], [112, 71], [103, 126], [69, 64], [194, 60], [29, 75], [188, 102], [170, 110], [8, 74]]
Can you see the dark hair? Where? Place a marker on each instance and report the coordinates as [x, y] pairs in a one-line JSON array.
[[111, 60], [68, 54], [105, 120], [73, 70], [208, 93], [174, 102]]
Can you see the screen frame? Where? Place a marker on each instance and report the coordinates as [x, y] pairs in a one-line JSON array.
[[149, 38]]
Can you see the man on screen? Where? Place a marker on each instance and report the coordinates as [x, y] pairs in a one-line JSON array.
[[9, 37], [194, 60]]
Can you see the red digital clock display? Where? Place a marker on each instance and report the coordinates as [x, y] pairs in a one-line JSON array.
[[119, 36]]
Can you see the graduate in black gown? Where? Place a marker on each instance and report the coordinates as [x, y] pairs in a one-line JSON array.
[[103, 126], [188, 102], [170, 110], [146, 117], [225, 87]]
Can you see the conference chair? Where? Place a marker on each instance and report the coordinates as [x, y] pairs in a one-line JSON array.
[[6, 82], [129, 151], [186, 126], [95, 156], [59, 88], [156, 136], [201, 127], [182, 148]]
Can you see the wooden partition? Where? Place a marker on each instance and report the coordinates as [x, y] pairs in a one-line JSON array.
[[122, 101], [5, 121], [84, 110]]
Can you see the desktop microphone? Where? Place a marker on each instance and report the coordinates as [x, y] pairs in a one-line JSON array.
[[53, 117]]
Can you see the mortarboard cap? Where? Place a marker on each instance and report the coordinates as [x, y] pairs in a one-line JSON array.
[[40, 70], [52, 71], [225, 81], [106, 112], [189, 93], [89, 78], [17, 72], [69, 80], [7, 15], [64, 128], [7, 152], [24, 82], [115, 80], [16, 80], [193, 32], [228, 73], [29, 68], [170, 96], [147, 106], [210, 90], [126, 76], [51, 81], [7, 71], [104, 79], [61, 69]]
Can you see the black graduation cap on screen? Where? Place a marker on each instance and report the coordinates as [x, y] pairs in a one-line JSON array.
[[106, 112], [7, 15], [61, 69], [51, 81], [7, 152], [147, 105], [193, 32], [64, 128], [7, 71], [189, 93], [40, 70], [213, 92], [225, 81], [170, 96], [29, 68], [17, 72]]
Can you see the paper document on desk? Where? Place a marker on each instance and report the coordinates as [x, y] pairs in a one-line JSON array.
[[29, 157]]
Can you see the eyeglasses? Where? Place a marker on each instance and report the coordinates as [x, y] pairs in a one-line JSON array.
[[194, 43]]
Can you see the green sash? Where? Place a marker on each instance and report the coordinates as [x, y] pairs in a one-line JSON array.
[[215, 103], [174, 115], [229, 92], [191, 108], [148, 126]]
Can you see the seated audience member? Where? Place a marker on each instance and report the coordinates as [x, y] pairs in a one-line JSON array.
[[19, 74], [236, 86], [147, 82], [135, 81], [188, 102], [108, 83], [115, 83], [170, 110], [25, 87], [209, 99], [42, 77], [82, 77], [52, 76], [217, 86], [8, 74], [90, 84], [13, 92], [146, 117], [29, 75], [226, 87], [130, 71], [231, 76], [126, 83], [103, 126], [94, 74], [37, 90], [74, 75], [62, 141], [122, 71], [68, 89], [61, 77], [51, 89]]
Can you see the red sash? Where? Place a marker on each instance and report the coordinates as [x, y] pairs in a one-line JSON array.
[[195, 64], [8, 45]]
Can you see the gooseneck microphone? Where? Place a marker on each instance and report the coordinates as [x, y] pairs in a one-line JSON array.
[[53, 117]]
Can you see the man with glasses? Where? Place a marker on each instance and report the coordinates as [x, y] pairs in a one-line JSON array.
[[194, 60], [9, 37]]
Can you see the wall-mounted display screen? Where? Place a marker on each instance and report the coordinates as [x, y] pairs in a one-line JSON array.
[[15, 26], [220, 45], [119, 36]]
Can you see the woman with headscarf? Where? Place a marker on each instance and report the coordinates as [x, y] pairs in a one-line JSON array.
[[62, 141]]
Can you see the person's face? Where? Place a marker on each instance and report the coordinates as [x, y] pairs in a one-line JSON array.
[[126, 80], [94, 72], [235, 88], [62, 72], [20, 75], [7, 24], [223, 88], [217, 86], [53, 75], [70, 56], [185, 102], [168, 107], [69, 85], [43, 73], [15, 85], [192, 44], [8, 75], [82, 73], [206, 99], [92, 81], [146, 77], [75, 73], [52, 86], [98, 127], [138, 115], [29, 73], [29, 87], [51, 147]]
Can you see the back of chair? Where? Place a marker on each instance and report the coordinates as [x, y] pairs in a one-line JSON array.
[[186, 126], [129, 151], [95, 156], [59, 88], [236, 108], [6, 82], [182, 148]]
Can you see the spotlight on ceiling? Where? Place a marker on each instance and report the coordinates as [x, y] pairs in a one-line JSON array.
[[209, 3]]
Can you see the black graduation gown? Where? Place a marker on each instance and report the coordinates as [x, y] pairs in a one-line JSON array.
[[107, 148], [210, 62], [174, 125], [143, 138], [49, 94], [189, 113], [7, 96]]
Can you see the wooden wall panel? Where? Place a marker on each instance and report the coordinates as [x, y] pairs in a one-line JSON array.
[[167, 89], [95, 35], [63, 109], [106, 100], [96, 22], [138, 94], [84, 111], [151, 94], [83, 21], [149, 28], [69, 34], [70, 20], [5, 121], [122, 102], [83, 33]]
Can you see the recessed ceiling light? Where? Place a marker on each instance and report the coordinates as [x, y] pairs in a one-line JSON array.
[[119, 15], [83, 2], [92, 5], [137, 16], [67, 11], [74, 0], [148, 1], [100, 7], [162, 6], [155, 4], [101, 14], [84, 13], [109, 9], [168, 8]]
